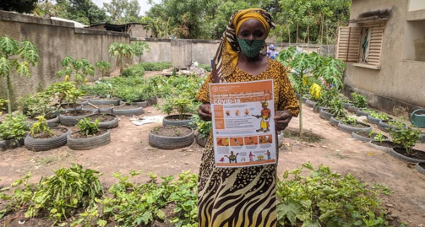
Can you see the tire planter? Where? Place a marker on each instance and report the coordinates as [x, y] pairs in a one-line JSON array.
[[66, 109], [334, 122], [143, 104], [106, 124], [352, 109], [114, 102], [201, 141], [310, 103], [324, 114], [350, 129], [35, 144], [72, 120], [3, 146], [304, 99], [137, 110], [89, 142], [393, 152], [360, 113], [51, 122], [420, 167], [363, 138], [375, 144], [373, 120], [280, 137], [173, 120], [347, 104], [384, 126], [152, 101], [421, 138], [169, 143], [14, 143]]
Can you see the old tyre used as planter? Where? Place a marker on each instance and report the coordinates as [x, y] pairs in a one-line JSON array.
[[359, 127], [152, 101], [421, 138], [12, 143], [106, 121], [365, 137], [143, 104], [3, 146], [44, 144], [310, 103], [324, 114], [334, 121], [373, 120], [352, 109], [71, 107], [386, 146], [166, 137], [128, 110], [361, 112], [112, 101], [347, 104], [416, 156], [75, 142], [174, 120], [420, 166], [202, 141], [72, 118]]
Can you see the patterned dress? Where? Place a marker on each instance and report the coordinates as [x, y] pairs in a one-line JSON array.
[[244, 196]]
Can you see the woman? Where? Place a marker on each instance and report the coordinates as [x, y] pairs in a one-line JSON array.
[[242, 196]]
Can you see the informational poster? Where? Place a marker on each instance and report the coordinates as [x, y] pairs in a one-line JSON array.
[[243, 123]]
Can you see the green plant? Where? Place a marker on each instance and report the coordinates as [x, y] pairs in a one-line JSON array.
[[64, 91], [64, 193], [14, 127], [103, 89], [359, 101], [87, 127], [122, 51], [337, 108], [331, 71], [377, 115], [20, 197], [79, 68], [379, 137], [407, 137], [134, 70], [17, 56], [206, 67], [325, 198], [139, 48], [397, 124], [104, 67], [41, 127], [156, 66], [203, 127], [348, 120], [3, 105], [326, 97], [38, 104]]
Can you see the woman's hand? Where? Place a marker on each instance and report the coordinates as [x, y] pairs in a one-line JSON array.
[[282, 120], [204, 112]]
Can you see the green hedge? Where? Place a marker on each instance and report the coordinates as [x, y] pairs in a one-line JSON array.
[[155, 66]]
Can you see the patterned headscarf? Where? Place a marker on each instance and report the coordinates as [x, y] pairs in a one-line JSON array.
[[226, 57]]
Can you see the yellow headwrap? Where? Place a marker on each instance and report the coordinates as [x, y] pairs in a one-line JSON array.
[[248, 14], [226, 57]]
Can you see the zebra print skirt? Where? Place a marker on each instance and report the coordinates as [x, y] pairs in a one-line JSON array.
[[234, 197]]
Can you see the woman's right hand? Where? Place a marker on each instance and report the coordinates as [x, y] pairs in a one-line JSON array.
[[204, 112]]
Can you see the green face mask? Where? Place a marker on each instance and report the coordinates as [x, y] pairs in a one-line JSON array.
[[251, 48]]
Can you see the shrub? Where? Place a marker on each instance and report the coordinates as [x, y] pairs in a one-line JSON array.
[[359, 101], [41, 127], [87, 127], [325, 198], [337, 108], [38, 104], [326, 97], [3, 105], [155, 66], [405, 137], [14, 127], [134, 70], [203, 127], [206, 67]]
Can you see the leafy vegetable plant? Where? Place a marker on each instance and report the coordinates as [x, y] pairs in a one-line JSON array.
[[14, 127], [87, 127], [359, 101], [407, 137], [41, 127]]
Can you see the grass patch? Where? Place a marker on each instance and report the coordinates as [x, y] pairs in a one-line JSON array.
[[308, 136]]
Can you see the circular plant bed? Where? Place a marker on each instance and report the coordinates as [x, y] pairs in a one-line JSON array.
[[52, 122], [310, 103], [41, 142], [174, 119], [77, 141], [171, 137], [71, 118], [366, 137], [127, 110], [361, 112], [71, 107], [420, 167], [106, 121], [355, 127], [414, 156], [105, 101], [202, 141], [386, 146], [324, 114]]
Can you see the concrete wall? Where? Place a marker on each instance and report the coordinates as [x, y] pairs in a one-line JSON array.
[[55, 40], [416, 5], [182, 52], [399, 86]]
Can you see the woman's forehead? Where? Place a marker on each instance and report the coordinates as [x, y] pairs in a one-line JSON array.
[[252, 24]]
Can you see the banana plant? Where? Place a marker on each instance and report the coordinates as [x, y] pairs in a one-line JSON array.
[[16, 56]]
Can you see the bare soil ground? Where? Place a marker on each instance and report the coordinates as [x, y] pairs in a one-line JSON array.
[[130, 150]]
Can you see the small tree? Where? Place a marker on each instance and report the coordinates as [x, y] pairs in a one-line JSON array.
[[139, 48], [122, 51], [104, 67], [80, 68], [16, 55], [64, 91]]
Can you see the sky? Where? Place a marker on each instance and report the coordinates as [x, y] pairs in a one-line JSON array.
[[143, 5]]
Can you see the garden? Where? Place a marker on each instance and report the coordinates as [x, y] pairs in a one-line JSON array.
[[81, 153]]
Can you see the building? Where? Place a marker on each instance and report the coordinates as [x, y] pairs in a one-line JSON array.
[[384, 48], [137, 30]]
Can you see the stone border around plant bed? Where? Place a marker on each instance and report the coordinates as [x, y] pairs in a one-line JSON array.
[[420, 168], [90, 142], [395, 154], [170, 143], [35, 144], [350, 129], [138, 110], [186, 123], [325, 114]]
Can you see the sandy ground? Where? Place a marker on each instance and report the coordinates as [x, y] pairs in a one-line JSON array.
[[129, 150]]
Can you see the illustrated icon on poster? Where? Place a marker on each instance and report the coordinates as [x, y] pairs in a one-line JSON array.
[[246, 112], [265, 117], [251, 156], [266, 139], [223, 142], [237, 113], [232, 157]]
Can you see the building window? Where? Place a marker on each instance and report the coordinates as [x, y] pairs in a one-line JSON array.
[[414, 41]]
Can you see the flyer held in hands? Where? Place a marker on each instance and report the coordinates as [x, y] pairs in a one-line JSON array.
[[243, 123]]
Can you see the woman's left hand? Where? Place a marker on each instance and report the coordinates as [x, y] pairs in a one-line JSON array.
[[282, 120]]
